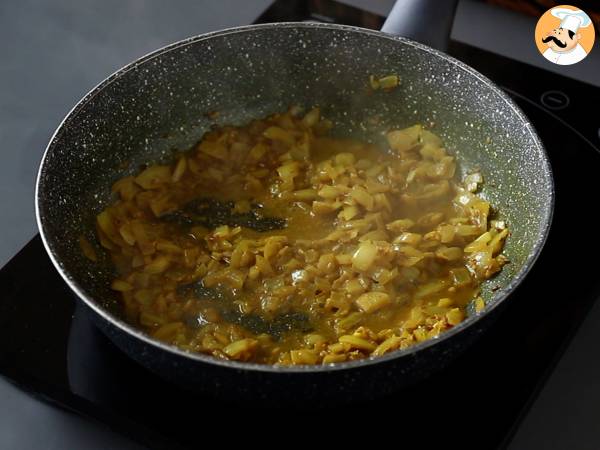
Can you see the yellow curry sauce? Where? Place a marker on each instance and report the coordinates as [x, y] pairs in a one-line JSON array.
[[381, 248]]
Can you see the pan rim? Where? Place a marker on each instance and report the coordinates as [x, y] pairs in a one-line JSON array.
[[498, 298]]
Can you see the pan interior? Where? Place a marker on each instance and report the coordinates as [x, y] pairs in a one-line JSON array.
[[162, 103]]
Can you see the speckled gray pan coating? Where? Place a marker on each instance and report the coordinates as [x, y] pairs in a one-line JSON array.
[[160, 103]]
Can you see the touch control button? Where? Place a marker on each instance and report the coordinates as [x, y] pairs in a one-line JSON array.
[[555, 100]]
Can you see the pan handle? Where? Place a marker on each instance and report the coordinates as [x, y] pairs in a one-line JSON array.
[[426, 21]]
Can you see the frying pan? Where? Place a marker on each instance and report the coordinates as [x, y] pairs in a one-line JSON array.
[[160, 103]]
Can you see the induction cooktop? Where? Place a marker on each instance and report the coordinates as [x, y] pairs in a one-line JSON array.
[[50, 348]]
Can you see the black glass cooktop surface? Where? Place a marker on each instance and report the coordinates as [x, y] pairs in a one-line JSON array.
[[49, 347]]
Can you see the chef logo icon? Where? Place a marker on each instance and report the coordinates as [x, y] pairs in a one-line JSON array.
[[564, 35]]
